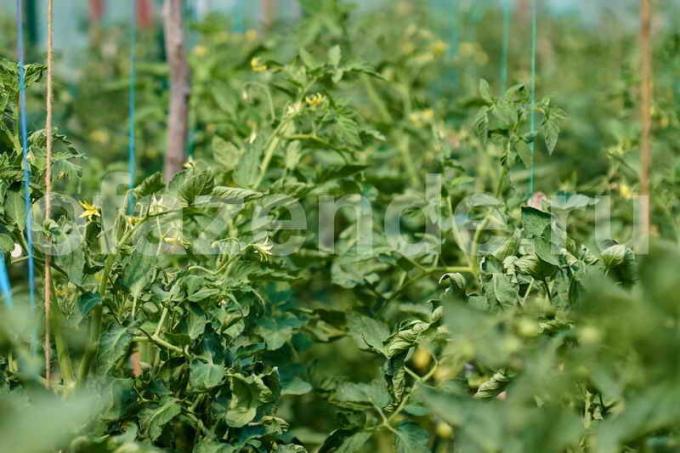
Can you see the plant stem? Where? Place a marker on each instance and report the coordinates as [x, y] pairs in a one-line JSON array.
[[377, 101], [63, 356], [95, 324], [273, 143], [407, 159]]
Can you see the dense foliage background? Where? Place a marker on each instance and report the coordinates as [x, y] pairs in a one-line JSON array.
[[542, 334]]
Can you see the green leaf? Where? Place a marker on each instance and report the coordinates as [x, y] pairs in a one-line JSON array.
[[137, 272], [247, 394], [405, 338], [502, 290], [154, 419], [369, 334], [114, 346], [6, 243], [485, 91], [535, 221], [204, 376], [345, 441], [150, 185], [15, 209], [334, 55], [195, 185], [523, 152], [246, 172], [308, 60], [276, 331], [296, 387], [87, 301], [363, 395], [225, 154], [235, 194], [411, 438]]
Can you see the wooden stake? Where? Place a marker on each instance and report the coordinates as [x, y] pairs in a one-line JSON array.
[[178, 116], [96, 10], [268, 12], [645, 113]]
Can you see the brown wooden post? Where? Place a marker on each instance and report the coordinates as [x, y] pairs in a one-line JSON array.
[[96, 10], [268, 12], [145, 14], [178, 116]]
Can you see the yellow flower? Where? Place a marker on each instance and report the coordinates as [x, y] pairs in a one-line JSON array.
[[420, 118], [172, 240], [438, 48], [264, 249], [625, 191], [133, 220], [200, 51], [315, 100], [251, 35], [90, 211], [257, 65], [99, 136]]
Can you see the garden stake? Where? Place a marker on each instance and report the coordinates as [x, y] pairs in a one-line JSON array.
[[645, 113], [5, 288], [179, 88], [26, 166]]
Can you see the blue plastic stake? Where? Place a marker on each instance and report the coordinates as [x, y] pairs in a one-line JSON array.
[[5, 288], [23, 127], [132, 92]]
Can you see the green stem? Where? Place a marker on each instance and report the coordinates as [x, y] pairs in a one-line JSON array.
[[377, 100], [95, 324], [159, 342], [475, 243], [161, 321], [63, 356], [272, 145], [407, 159]]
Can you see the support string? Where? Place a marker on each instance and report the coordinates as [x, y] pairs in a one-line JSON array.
[[532, 91], [48, 189]]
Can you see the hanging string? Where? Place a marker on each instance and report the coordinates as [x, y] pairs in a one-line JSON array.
[[48, 189], [132, 95], [505, 45], [26, 166], [532, 91], [5, 287]]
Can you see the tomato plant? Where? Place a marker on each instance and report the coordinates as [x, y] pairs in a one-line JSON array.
[[349, 262]]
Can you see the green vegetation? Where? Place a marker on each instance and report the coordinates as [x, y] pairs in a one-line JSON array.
[[207, 319]]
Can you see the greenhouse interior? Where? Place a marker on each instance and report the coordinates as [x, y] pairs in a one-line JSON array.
[[344, 226]]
